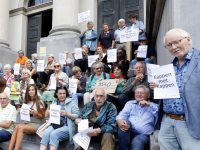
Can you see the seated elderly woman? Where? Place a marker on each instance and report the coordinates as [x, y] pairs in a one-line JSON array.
[[37, 113], [97, 67], [101, 115], [3, 88], [31, 67], [67, 128], [82, 63], [8, 75], [137, 120], [81, 87], [7, 117], [67, 66], [48, 70]]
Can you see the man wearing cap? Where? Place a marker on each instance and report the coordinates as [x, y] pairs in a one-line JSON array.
[[151, 53]]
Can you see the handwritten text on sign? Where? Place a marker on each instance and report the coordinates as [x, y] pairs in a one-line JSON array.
[[109, 85], [25, 112], [84, 16], [78, 53], [142, 51], [112, 55], [164, 77], [129, 35], [55, 114]]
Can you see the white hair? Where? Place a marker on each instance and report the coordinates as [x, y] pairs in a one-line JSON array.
[[35, 56], [7, 94], [30, 62], [7, 66], [121, 20], [105, 93], [90, 22], [144, 87], [183, 33], [27, 71], [139, 62]]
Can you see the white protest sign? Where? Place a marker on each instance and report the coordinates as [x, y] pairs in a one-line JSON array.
[[84, 16], [40, 66], [142, 51], [167, 88], [109, 85], [78, 53], [82, 139], [54, 116], [16, 69], [84, 124], [25, 112], [149, 67], [112, 55], [73, 85], [62, 58], [53, 83], [92, 59], [129, 35]]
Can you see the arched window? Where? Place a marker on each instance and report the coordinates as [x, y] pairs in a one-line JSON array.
[[37, 2]]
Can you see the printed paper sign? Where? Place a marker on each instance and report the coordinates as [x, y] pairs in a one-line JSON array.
[[142, 51], [14, 87], [82, 139], [84, 124], [25, 112], [78, 53], [62, 58], [149, 68], [16, 69], [42, 51], [73, 85], [40, 66], [129, 35], [164, 77], [84, 16], [53, 84], [112, 55], [92, 59], [109, 85], [54, 114]]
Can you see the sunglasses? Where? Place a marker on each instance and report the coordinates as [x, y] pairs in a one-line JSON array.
[[56, 66]]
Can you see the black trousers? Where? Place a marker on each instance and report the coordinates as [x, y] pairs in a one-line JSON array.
[[44, 78]]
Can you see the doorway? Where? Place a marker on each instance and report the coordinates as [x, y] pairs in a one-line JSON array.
[[39, 26]]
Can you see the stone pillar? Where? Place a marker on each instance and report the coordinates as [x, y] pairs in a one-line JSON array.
[[4, 20], [65, 17]]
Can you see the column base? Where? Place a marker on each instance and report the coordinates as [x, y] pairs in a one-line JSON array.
[[7, 56], [4, 43], [64, 29]]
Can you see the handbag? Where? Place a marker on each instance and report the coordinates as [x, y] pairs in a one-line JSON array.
[[56, 126], [42, 128]]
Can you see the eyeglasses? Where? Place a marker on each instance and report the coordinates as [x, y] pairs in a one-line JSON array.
[[176, 43], [100, 96], [138, 68], [98, 68], [3, 99], [56, 66], [138, 93]]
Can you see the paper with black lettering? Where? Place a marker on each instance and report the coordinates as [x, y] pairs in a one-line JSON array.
[[25, 112], [142, 51], [149, 68], [54, 116], [73, 85], [112, 55], [78, 53]]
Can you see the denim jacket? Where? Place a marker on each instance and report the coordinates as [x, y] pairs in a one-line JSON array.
[[93, 38], [106, 119], [191, 97], [72, 108]]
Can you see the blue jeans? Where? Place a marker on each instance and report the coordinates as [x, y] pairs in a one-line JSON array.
[[80, 96], [123, 98], [53, 137], [146, 61], [4, 135], [174, 134], [67, 70], [138, 140]]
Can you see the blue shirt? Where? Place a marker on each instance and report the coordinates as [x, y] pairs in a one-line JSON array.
[[142, 118], [89, 34], [175, 105], [61, 116], [117, 33]]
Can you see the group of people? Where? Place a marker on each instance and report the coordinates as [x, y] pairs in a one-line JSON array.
[[131, 112]]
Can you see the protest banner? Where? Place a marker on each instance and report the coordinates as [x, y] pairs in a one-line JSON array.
[[73, 85], [142, 51], [25, 112], [62, 58], [109, 85], [43, 51], [92, 59], [112, 55], [16, 69], [40, 66], [149, 67], [129, 35], [54, 116], [53, 84], [82, 139], [84, 124], [84, 16], [14, 95], [164, 77], [78, 53]]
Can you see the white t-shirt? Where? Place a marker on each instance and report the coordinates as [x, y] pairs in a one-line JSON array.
[[7, 91], [30, 103]]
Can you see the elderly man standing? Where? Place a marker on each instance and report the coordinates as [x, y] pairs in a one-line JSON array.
[[101, 115], [180, 127], [136, 121], [122, 27], [7, 118]]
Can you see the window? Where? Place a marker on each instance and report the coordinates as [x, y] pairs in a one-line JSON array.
[[37, 2]]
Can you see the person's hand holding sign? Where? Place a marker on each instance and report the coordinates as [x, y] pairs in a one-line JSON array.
[[94, 132], [136, 51], [152, 85], [92, 88]]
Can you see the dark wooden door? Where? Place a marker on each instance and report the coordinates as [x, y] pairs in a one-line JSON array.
[[34, 33]]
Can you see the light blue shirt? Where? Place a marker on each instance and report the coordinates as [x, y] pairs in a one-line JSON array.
[[89, 34], [142, 118], [117, 33]]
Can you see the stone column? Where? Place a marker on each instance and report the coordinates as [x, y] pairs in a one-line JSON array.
[[65, 17], [4, 20]]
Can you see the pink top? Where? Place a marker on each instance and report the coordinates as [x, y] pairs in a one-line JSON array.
[[9, 78]]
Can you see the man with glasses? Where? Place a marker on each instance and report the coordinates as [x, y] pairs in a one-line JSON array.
[[136, 121], [7, 118], [180, 127], [101, 115]]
